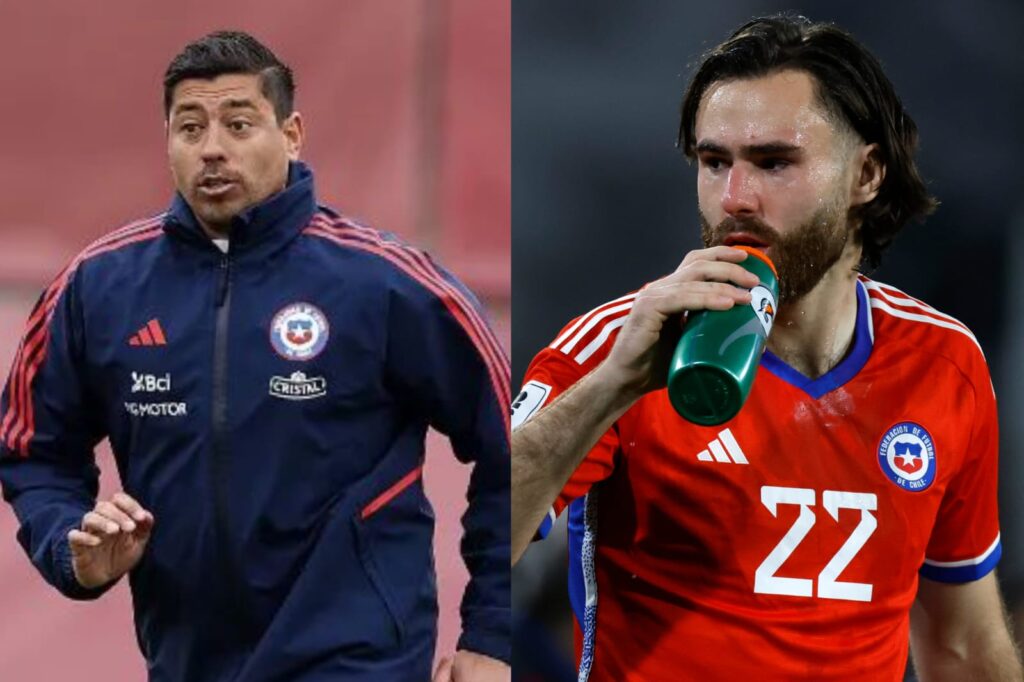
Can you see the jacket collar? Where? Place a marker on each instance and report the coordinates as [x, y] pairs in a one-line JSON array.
[[264, 227]]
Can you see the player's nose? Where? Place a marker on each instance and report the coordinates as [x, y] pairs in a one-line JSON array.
[[741, 193]]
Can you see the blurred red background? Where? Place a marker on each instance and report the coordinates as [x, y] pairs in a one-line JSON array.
[[406, 105]]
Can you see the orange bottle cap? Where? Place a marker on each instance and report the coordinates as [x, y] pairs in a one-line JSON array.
[[760, 254]]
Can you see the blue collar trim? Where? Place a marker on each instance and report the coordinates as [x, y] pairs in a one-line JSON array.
[[847, 367]]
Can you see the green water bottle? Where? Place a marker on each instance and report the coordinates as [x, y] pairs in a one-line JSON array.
[[714, 364]]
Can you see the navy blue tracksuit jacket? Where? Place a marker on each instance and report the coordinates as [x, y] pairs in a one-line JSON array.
[[269, 406]]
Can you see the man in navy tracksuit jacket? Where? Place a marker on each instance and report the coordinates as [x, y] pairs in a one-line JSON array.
[[266, 399]]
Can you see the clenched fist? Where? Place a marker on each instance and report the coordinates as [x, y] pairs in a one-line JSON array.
[[110, 541]]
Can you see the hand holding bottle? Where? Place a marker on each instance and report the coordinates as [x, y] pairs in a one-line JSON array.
[[707, 279], [713, 367]]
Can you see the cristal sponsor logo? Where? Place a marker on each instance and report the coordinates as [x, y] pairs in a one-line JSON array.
[[298, 387], [150, 383], [157, 409]]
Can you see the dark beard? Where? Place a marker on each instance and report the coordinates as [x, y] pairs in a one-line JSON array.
[[801, 257]]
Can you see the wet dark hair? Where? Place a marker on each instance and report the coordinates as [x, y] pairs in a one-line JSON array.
[[225, 52], [855, 93]]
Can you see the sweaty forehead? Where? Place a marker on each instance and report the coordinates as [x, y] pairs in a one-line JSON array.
[[211, 93], [779, 107]]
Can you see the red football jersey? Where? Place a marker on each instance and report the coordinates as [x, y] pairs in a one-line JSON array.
[[785, 544]]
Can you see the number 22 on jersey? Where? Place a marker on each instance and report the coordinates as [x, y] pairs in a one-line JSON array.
[[765, 580]]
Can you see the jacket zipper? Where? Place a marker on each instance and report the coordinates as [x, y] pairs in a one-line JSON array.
[[220, 463]]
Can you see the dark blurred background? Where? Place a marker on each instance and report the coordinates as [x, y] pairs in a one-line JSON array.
[[603, 202], [406, 106]]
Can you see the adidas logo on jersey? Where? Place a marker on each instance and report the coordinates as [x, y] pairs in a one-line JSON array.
[[151, 334], [723, 449]]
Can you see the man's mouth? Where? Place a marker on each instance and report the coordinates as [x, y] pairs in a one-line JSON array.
[[213, 186], [744, 239]]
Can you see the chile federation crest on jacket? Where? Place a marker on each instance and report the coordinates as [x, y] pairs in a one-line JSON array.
[[906, 454], [299, 331]]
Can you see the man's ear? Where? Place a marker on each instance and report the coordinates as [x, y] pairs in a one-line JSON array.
[[294, 134], [868, 174]]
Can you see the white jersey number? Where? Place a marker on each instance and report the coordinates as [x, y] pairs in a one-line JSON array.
[[765, 580]]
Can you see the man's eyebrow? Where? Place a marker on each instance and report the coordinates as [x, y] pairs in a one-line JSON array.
[[770, 148], [184, 107], [708, 147], [239, 104], [226, 104], [763, 149]]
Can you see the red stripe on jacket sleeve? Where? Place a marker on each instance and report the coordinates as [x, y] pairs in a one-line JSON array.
[[18, 425], [454, 300]]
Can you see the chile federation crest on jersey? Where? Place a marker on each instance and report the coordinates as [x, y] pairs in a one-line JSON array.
[[906, 454], [299, 331]]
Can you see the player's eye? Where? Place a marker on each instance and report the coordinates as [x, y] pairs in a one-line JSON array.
[[239, 125], [190, 128], [713, 163], [774, 164]]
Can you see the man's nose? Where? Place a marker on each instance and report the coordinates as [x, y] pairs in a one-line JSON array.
[[741, 192], [212, 148]]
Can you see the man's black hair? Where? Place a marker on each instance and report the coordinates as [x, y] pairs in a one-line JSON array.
[[853, 90], [225, 52]]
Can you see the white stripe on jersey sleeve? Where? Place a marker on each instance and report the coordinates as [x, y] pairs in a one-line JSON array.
[[583, 318], [600, 339], [897, 297], [882, 305], [594, 321], [966, 562]]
